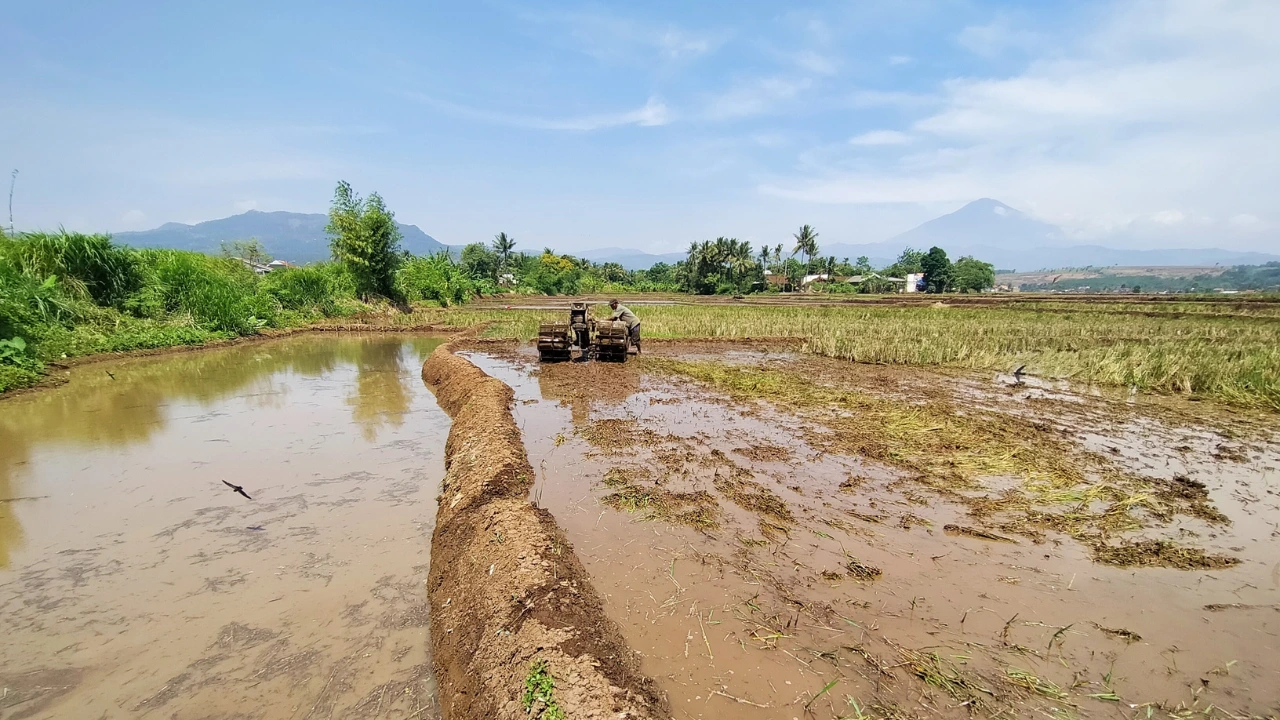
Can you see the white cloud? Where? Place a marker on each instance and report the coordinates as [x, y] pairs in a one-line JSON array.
[[815, 63], [754, 97], [881, 137], [1167, 104], [617, 39], [996, 38], [899, 59], [653, 113], [1168, 217], [1248, 222]]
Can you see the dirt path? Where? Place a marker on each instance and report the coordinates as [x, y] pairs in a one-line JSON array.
[[764, 572], [518, 630]]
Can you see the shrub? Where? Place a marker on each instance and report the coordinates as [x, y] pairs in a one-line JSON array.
[[301, 288], [433, 279], [89, 267], [216, 292]]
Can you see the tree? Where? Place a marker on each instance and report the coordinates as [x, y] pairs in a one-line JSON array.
[[862, 265], [503, 245], [250, 250], [366, 239], [937, 270], [479, 262], [971, 275], [908, 262], [806, 242]]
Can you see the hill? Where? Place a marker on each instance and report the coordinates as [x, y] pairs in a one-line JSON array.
[[296, 237], [630, 259], [996, 233]]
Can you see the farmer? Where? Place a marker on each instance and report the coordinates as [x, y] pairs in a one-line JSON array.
[[623, 313]]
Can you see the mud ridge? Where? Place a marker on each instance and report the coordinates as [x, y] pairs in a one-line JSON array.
[[506, 590]]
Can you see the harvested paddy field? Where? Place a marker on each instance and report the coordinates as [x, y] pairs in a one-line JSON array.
[[780, 534]]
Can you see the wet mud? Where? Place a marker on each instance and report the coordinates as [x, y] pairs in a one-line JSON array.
[[764, 568], [518, 630], [134, 583]]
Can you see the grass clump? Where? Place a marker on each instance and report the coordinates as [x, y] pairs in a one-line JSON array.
[[943, 674], [1159, 553], [697, 510], [539, 693], [1041, 686]]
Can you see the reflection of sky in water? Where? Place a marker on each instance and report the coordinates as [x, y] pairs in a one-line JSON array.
[[375, 376]]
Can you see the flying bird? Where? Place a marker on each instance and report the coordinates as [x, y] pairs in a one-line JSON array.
[[1017, 375], [237, 488], [108, 372]]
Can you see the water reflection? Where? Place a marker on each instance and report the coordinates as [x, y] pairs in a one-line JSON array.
[[379, 397], [98, 410]]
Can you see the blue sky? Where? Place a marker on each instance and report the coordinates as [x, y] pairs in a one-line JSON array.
[[649, 125]]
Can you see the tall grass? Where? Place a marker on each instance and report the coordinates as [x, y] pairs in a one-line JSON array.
[[66, 294]]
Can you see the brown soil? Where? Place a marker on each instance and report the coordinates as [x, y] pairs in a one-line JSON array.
[[506, 588], [889, 593]]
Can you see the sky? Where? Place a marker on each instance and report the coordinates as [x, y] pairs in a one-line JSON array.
[[651, 125]]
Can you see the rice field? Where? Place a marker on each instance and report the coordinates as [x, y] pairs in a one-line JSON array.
[[1208, 350]]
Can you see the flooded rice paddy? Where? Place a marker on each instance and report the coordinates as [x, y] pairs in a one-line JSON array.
[[135, 583], [763, 573]]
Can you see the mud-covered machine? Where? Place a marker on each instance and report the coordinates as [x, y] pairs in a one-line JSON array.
[[600, 339]]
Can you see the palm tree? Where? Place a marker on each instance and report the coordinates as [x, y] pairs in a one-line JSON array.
[[764, 258], [503, 245], [806, 242], [777, 254]]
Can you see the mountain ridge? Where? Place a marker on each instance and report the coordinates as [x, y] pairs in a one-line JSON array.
[[296, 237], [985, 228]]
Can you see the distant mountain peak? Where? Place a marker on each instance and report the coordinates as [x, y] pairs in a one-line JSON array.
[[296, 237], [989, 205]]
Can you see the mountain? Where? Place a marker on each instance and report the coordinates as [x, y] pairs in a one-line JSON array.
[[996, 233], [630, 259], [296, 237]]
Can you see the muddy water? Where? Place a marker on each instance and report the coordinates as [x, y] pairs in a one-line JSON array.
[[134, 583], [752, 621]]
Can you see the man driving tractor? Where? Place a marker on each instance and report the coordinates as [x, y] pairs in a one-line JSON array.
[[623, 313]]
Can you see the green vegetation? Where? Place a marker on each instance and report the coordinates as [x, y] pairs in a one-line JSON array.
[[67, 294], [539, 696], [1204, 349], [366, 239]]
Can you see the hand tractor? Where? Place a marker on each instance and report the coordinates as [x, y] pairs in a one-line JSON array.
[[599, 339]]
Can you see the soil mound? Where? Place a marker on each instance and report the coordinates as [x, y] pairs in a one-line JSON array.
[[511, 604]]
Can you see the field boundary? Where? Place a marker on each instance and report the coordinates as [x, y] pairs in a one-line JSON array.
[[510, 601]]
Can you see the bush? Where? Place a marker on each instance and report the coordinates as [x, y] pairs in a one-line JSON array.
[[301, 289], [89, 267], [216, 292], [433, 279]]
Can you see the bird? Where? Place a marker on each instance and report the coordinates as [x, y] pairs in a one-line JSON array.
[[1017, 374], [108, 372], [237, 488]]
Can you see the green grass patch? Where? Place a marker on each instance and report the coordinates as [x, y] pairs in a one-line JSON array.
[[539, 693]]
